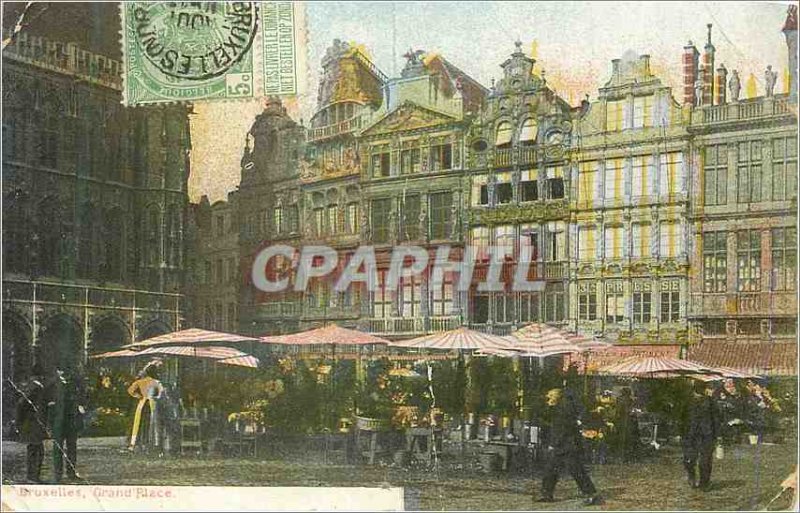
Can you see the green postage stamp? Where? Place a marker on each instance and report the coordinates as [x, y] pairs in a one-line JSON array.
[[194, 51]]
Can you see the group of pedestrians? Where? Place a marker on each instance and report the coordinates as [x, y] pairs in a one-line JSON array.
[[51, 406], [712, 416]]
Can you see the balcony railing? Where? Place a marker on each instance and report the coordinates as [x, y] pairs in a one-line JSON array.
[[745, 109], [502, 157], [279, 309], [413, 325], [527, 155], [342, 127], [748, 303], [68, 294]]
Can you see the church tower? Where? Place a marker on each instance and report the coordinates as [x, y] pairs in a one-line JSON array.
[[790, 31]]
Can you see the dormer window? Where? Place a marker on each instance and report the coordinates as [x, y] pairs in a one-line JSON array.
[[528, 133], [503, 135]]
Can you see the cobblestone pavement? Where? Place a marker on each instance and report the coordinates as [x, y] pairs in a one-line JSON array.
[[654, 483]]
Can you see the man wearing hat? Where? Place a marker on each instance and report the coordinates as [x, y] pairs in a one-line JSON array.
[[700, 436], [565, 448]]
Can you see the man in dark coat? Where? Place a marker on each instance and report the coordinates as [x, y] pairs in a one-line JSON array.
[[565, 448], [700, 436], [626, 427], [31, 418], [68, 408]]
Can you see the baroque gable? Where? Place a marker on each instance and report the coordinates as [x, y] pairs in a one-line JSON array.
[[408, 116]]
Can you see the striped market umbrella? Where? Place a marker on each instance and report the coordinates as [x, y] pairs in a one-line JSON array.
[[224, 355], [191, 336], [457, 339], [327, 335], [541, 340], [656, 366]]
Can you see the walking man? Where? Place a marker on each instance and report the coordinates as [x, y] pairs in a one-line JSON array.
[[700, 436], [565, 449], [68, 409], [31, 418]]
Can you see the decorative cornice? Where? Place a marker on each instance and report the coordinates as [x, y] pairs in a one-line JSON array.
[[505, 214]]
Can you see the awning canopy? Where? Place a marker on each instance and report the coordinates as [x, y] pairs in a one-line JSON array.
[[192, 336], [650, 366], [542, 340], [457, 339], [328, 335]]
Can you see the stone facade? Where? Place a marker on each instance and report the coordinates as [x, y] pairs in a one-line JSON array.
[[94, 201], [611, 198]]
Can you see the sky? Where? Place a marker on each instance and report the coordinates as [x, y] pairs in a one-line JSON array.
[[573, 42]]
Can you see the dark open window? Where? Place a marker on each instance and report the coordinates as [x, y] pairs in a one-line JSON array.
[[505, 193], [529, 190]]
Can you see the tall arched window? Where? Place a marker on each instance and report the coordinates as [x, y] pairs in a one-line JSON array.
[[87, 228], [173, 250], [152, 236], [15, 235], [503, 135], [114, 240], [528, 132]]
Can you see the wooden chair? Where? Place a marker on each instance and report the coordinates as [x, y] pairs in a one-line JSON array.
[[191, 435]]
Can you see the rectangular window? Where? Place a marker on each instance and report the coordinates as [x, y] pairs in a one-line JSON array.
[[642, 302], [484, 195], [208, 276], [505, 193], [671, 174], [715, 174], [586, 243], [294, 219], [480, 308], [219, 272], [670, 306], [555, 181], [641, 175], [715, 262], [641, 240], [748, 260], [587, 301], [277, 220], [670, 240], [748, 172], [333, 219], [529, 307], [411, 210], [409, 161], [586, 183], [442, 296], [382, 303], [352, 218], [319, 222], [504, 306], [441, 205], [410, 290], [528, 186], [614, 115], [556, 240], [381, 212], [784, 255], [614, 183], [504, 236], [441, 157], [554, 304], [784, 168], [643, 111], [615, 303], [614, 242], [480, 241], [220, 226], [381, 164]]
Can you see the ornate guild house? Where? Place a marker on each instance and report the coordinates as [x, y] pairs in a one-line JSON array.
[[651, 216]]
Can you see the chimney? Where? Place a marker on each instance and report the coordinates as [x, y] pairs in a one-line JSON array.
[[721, 97], [708, 76], [645, 63], [690, 64]]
